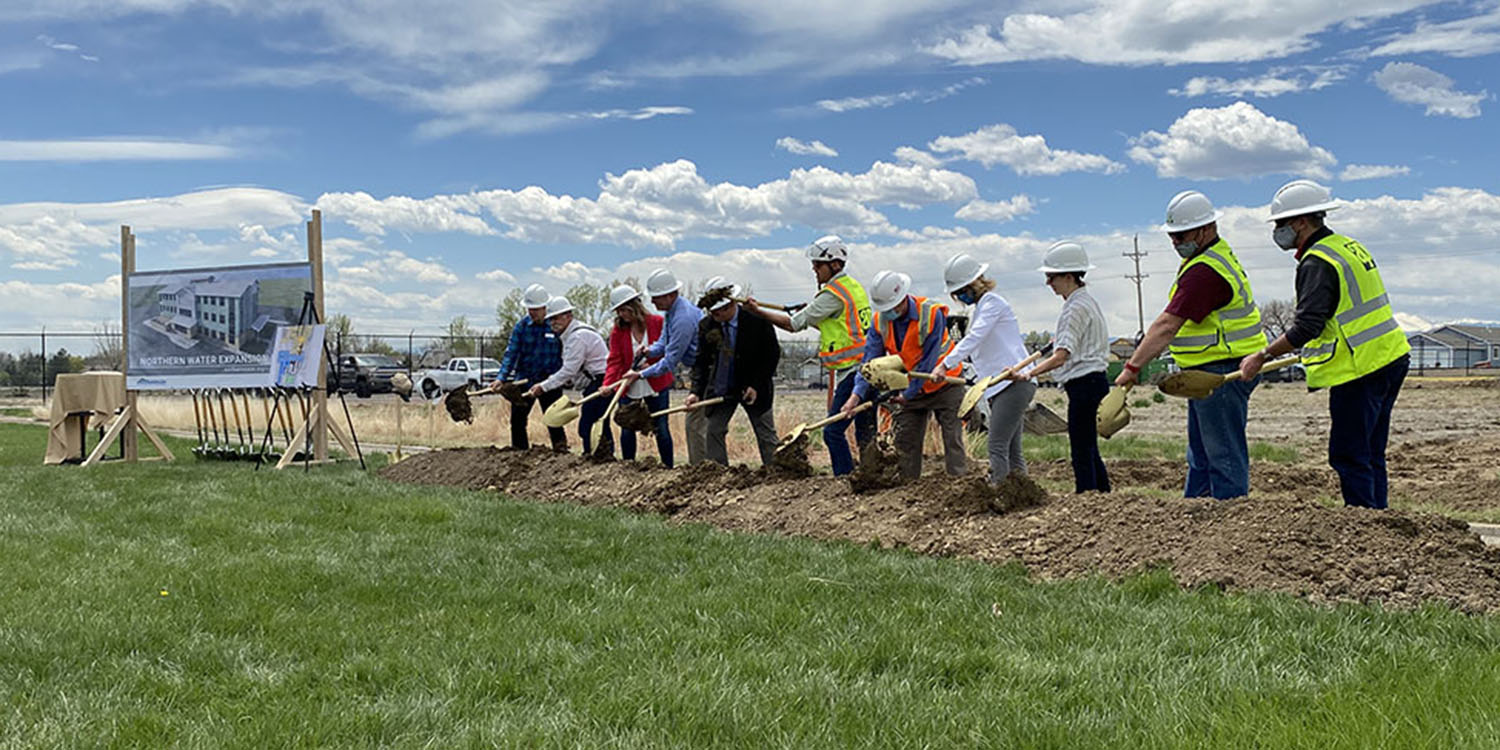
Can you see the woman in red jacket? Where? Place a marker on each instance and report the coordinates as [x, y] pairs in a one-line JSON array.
[[635, 328]]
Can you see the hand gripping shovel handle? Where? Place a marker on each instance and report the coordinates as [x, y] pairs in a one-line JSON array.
[[1267, 367], [688, 407]]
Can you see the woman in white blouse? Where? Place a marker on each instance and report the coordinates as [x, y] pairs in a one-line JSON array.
[[1078, 361], [992, 344]]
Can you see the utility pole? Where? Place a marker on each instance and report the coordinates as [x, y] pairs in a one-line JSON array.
[[1137, 277]]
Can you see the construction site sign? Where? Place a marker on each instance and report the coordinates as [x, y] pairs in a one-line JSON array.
[[209, 327]]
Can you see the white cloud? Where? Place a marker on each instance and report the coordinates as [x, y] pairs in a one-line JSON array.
[[442, 213], [1135, 32], [513, 123], [1354, 172], [998, 211], [1025, 154], [115, 150], [1274, 83], [394, 265], [1234, 141], [51, 234], [815, 148], [916, 156], [667, 203], [1410, 83], [1466, 37], [882, 101], [497, 274]]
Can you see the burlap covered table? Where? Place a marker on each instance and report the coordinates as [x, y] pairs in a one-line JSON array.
[[98, 394]]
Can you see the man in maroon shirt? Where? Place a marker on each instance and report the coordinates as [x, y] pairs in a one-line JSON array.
[[1218, 453]]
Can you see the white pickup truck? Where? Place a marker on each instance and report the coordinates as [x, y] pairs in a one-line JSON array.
[[470, 372]]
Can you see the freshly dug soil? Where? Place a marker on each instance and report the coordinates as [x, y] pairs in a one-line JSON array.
[[713, 297], [790, 461], [634, 416], [458, 405], [1274, 541], [515, 393], [877, 469]]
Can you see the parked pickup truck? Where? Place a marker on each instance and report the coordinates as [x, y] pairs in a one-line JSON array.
[[470, 372], [364, 374]]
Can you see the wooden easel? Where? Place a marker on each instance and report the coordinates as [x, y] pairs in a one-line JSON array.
[[129, 420], [318, 421]]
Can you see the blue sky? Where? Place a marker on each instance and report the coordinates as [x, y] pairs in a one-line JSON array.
[[458, 149]]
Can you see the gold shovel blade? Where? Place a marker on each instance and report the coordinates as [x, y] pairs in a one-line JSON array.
[[560, 413], [1113, 416], [792, 436], [1191, 384]]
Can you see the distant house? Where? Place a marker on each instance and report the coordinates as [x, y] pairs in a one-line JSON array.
[[1447, 347], [1121, 348], [1487, 336], [210, 307]]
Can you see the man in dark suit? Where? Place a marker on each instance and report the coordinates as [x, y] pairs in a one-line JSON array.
[[737, 356]]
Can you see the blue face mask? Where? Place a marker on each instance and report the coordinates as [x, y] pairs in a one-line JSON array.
[[965, 296], [1186, 249]]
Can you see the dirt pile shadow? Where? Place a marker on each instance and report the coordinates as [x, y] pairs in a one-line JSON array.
[[1270, 542]]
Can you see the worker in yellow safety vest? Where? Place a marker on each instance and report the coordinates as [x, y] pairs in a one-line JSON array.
[[1210, 323], [841, 312], [1348, 335]]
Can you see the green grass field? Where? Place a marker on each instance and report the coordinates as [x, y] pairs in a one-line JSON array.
[[207, 605]]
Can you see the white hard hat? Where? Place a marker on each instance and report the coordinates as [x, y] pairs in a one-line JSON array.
[[888, 289], [557, 306], [1190, 209], [661, 281], [961, 271], [719, 282], [1065, 257], [828, 248], [1300, 197], [620, 295], [536, 296]]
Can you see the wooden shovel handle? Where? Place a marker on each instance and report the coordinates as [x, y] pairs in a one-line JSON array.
[[1017, 367], [613, 402], [758, 303], [1267, 367], [688, 407], [839, 417], [935, 376]]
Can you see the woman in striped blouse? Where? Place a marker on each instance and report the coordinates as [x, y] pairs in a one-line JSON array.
[[1078, 361]]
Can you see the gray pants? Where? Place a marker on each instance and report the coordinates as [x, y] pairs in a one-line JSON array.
[[696, 424], [763, 422], [1007, 418], [911, 430]]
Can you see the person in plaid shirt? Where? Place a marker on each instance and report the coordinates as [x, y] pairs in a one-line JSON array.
[[534, 352]]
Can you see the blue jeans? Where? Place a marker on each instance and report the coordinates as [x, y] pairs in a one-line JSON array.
[[836, 435], [1361, 413], [654, 402], [1218, 454]]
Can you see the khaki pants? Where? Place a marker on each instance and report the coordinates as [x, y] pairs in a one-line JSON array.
[[696, 423], [762, 422], [911, 429]]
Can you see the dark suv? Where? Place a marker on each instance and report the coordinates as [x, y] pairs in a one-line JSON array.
[[365, 374]]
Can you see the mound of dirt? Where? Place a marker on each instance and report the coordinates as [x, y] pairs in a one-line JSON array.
[[1270, 542]]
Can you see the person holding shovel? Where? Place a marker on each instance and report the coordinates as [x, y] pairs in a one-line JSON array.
[[1210, 324], [993, 343], [841, 312], [737, 357], [534, 352], [633, 332], [678, 345], [916, 328], [584, 358], [1350, 341], [1078, 361]]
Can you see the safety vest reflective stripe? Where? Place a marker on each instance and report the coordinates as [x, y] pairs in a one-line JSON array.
[[1358, 339], [910, 348], [1230, 331], [841, 337], [845, 356], [850, 315]]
